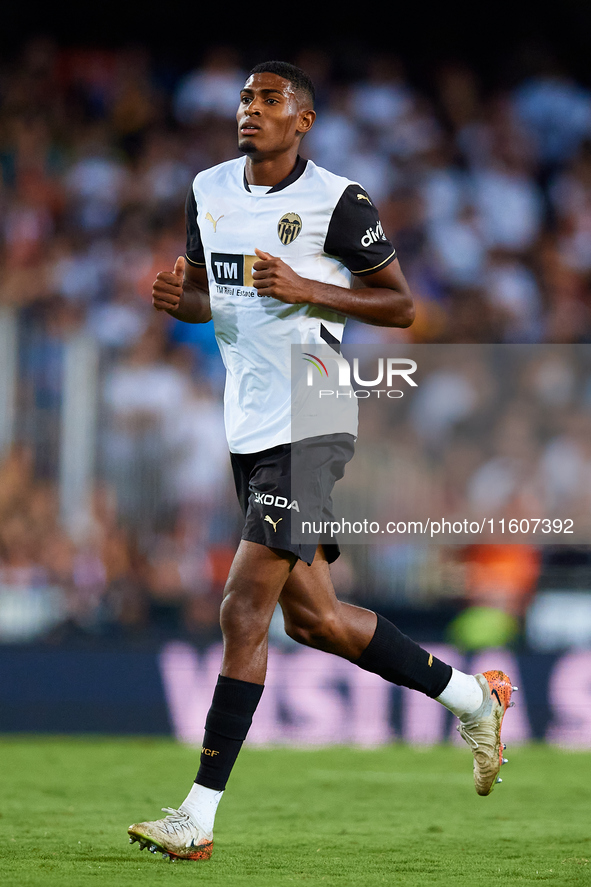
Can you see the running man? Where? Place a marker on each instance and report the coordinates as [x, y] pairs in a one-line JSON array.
[[281, 252]]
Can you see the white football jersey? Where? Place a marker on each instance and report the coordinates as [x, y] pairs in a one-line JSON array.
[[326, 228]]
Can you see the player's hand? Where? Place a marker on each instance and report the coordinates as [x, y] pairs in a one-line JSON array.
[[167, 289], [273, 277]]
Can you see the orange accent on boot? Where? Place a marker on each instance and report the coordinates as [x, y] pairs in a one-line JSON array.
[[203, 852], [501, 686]]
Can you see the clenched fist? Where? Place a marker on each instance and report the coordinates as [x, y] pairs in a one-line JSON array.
[[274, 277], [167, 289]]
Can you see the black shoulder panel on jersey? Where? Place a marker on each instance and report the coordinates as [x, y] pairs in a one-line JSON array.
[[355, 234], [194, 252]]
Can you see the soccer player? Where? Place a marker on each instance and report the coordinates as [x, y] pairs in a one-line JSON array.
[[273, 244]]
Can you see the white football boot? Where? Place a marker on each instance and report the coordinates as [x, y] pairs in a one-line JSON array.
[[482, 729], [177, 836]]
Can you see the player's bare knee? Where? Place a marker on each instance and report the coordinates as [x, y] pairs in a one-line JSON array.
[[241, 619], [235, 615]]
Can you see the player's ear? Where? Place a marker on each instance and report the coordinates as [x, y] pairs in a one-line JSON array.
[[306, 120]]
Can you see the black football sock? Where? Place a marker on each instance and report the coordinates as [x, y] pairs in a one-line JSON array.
[[227, 724], [398, 659]]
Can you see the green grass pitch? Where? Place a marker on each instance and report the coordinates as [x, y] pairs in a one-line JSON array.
[[339, 816]]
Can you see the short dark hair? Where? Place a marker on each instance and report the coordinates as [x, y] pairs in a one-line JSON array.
[[300, 81]]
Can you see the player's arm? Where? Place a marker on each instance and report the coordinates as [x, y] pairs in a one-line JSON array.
[[184, 292], [380, 295], [381, 298]]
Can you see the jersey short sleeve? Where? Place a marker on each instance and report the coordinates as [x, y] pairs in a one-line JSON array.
[[355, 235], [194, 252]]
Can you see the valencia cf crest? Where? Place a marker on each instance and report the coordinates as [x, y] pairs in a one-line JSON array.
[[288, 228]]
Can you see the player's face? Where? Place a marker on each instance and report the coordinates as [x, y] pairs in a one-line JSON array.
[[270, 117]]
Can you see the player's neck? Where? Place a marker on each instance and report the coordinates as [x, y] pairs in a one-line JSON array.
[[270, 170]]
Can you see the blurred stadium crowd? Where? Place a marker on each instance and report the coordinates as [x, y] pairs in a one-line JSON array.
[[486, 195]]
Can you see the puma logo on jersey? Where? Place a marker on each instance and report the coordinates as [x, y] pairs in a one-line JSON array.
[[274, 522], [363, 197], [214, 222], [277, 501], [373, 235]]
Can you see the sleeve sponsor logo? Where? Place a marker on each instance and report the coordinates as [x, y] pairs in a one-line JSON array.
[[373, 235]]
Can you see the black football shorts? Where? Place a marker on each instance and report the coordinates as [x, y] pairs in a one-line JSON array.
[[282, 487]]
